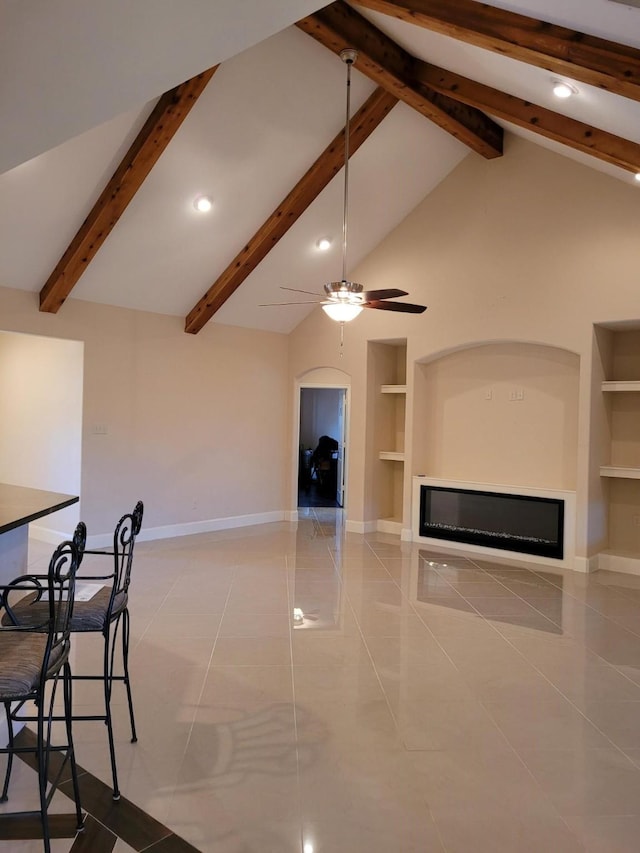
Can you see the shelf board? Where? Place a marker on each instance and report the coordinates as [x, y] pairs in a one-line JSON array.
[[621, 385], [392, 455], [620, 472], [393, 389]]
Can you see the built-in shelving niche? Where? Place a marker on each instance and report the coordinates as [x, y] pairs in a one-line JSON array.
[[619, 349], [387, 377]]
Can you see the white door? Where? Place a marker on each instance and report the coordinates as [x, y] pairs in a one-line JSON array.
[[342, 437]]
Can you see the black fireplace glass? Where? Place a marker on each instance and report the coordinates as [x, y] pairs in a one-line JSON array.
[[530, 525]]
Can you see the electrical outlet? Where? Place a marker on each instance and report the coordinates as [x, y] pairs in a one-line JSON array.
[[488, 394], [636, 520]]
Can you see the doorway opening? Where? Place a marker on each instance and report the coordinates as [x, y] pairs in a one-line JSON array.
[[41, 387], [322, 451]]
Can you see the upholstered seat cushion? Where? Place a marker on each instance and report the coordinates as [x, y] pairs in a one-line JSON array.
[[91, 615], [21, 656], [87, 615]]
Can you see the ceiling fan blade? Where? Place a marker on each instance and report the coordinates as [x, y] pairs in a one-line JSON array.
[[272, 304], [295, 290], [391, 293], [403, 307]]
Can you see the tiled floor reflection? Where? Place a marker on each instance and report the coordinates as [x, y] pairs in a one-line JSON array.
[[302, 689]]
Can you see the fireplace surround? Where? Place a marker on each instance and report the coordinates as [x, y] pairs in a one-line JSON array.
[[526, 524]]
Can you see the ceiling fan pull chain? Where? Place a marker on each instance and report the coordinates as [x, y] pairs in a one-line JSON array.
[[341, 339]]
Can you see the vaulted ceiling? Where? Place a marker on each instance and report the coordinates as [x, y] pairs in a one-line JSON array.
[[115, 121]]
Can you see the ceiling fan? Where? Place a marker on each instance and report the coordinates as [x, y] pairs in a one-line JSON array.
[[344, 300]]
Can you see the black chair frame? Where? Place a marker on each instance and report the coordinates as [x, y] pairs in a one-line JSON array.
[[112, 610], [124, 537], [57, 589]]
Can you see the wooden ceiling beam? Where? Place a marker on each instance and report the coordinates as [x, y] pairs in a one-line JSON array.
[[382, 57], [576, 134], [338, 26], [589, 59], [308, 188], [159, 129]]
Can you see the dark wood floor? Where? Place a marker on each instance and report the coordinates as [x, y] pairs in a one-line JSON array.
[[106, 821]]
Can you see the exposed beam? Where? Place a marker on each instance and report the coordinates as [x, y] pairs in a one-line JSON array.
[[159, 129], [590, 59], [339, 26], [363, 123], [576, 134]]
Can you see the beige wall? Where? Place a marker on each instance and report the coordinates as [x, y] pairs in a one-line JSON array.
[[529, 249], [532, 248], [197, 426]]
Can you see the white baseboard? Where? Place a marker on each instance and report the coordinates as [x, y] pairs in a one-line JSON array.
[[360, 526], [210, 525], [385, 525], [188, 528], [586, 565], [618, 563]]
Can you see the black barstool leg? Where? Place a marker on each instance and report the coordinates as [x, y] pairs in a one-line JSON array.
[[125, 660], [7, 776], [41, 754], [71, 754], [108, 672]]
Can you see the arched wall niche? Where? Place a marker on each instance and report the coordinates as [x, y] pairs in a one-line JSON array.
[[329, 376], [503, 412], [469, 345]]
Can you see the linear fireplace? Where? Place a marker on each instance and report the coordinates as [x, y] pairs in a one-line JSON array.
[[525, 523]]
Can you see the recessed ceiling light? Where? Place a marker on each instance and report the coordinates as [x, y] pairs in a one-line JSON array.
[[323, 244], [637, 177], [564, 90], [203, 203]]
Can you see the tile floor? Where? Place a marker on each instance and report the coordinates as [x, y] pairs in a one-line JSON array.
[[306, 690]]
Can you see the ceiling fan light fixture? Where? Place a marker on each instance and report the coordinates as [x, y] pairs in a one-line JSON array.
[[562, 89], [343, 305], [637, 177], [344, 291], [344, 299], [203, 203], [342, 312]]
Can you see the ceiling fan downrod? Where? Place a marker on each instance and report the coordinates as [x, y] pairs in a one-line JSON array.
[[348, 56], [343, 304]]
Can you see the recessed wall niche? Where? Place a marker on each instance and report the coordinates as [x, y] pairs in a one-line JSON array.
[[504, 413], [387, 391]]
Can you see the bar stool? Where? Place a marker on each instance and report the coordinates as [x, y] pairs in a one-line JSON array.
[[34, 661], [102, 614]]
